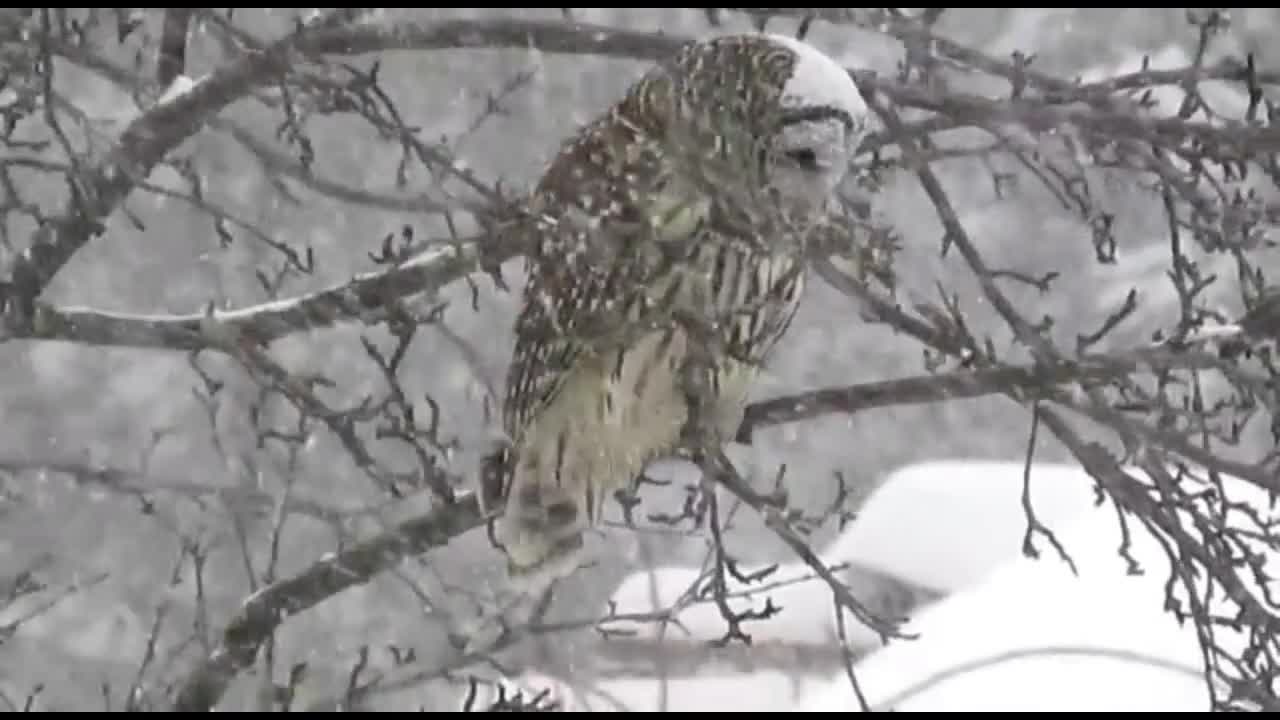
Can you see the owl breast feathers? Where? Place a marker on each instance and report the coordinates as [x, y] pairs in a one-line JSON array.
[[684, 207]]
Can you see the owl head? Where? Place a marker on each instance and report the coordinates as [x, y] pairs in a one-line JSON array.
[[764, 108]]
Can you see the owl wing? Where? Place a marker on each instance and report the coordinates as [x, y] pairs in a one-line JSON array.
[[544, 354], [571, 308], [586, 262], [576, 302], [594, 285], [615, 213]]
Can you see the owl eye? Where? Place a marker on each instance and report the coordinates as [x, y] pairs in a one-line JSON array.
[[805, 158]]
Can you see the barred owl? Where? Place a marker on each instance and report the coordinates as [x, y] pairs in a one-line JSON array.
[[690, 198]]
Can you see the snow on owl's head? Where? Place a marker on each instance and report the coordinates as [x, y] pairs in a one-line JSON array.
[[822, 120], [776, 104]]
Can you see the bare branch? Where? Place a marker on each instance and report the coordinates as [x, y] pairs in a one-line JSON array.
[[264, 611], [961, 384], [99, 190], [365, 298]]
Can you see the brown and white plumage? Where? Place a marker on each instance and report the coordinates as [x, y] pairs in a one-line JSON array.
[[690, 196]]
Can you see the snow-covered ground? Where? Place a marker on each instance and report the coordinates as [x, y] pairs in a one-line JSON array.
[[761, 691], [1013, 633], [972, 509], [1033, 637]]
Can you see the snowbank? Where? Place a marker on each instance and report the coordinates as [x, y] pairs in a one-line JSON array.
[[945, 524], [1032, 637]]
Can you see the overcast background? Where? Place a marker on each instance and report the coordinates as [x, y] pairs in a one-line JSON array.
[[68, 402]]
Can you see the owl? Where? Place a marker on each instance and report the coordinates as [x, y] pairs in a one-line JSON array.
[[678, 216]]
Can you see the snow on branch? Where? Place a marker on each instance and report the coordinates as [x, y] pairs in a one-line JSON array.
[[367, 297]]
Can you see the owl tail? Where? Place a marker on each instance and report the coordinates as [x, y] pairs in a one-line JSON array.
[[528, 586], [540, 547]]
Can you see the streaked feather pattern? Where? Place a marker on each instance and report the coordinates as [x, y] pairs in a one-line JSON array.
[[658, 205]]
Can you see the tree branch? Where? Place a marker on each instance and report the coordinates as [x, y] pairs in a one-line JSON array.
[[100, 189], [961, 384], [265, 610], [171, 57], [365, 297]]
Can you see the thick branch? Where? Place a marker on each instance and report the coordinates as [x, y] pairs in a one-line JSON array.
[[364, 296], [605, 41], [265, 610], [960, 384], [554, 36], [171, 58]]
